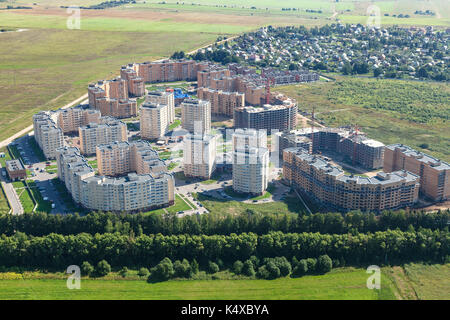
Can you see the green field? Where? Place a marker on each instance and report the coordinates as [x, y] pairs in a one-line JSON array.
[[291, 204], [392, 111], [4, 206], [347, 283]]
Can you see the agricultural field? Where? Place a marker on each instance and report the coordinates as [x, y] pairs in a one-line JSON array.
[[344, 283], [392, 111]]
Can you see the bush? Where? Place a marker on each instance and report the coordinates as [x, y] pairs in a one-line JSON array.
[[182, 269], [213, 267], [220, 264], [103, 268], [194, 267], [123, 272], [324, 264], [311, 262], [143, 272], [87, 269], [301, 268], [237, 267], [255, 261], [263, 273], [248, 269], [273, 270], [162, 271]]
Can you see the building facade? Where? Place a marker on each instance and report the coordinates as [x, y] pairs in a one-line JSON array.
[[154, 120], [163, 98], [69, 120], [47, 134], [434, 173], [199, 155], [222, 102], [196, 116], [330, 186], [250, 169]]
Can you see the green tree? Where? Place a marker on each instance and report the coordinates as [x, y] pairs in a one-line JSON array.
[[86, 268], [213, 267], [237, 267], [103, 268], [324, 264], [123, 272], [143, 272]]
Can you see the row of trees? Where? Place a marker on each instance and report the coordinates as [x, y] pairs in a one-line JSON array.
[[40, 224], [58, 251]]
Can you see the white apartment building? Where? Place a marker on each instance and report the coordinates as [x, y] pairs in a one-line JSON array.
[[164, 98], [196, 116], [199, 155], [154, 120], [250, 169]]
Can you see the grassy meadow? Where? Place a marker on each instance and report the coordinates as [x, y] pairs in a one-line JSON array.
[[392, 111], [343, 283]]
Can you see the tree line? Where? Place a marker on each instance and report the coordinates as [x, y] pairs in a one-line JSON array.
[[56, 251], [39, 224]]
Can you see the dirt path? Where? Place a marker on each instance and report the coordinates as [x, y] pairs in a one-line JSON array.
[[403, 283]]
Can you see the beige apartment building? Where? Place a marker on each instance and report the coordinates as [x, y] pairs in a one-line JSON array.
[[94, 134], [154, 120], [136, 85], [47, 134], [69, 120], [196, 116], [250, 169], [117, 108], [199, 155], [330, 186], [167, 70], [165, 98], [222, 102], [434, 173], [134, 192]]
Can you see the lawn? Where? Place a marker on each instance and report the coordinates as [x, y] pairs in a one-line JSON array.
[[392, 111], [291, 204], [179, 205], [344, 283], [42, 205], [175, 124], [4, 206], [24, 196]]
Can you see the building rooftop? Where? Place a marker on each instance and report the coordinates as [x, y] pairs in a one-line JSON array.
[[14, 165], [420, 156]]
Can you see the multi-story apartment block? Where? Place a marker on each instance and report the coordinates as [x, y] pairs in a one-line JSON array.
[[249, 137], [250, 169], [167, 70], [154, 120], [69, 120], [94, 134], [284, 140], [117, 108], [196, 116], [199, 155], [47, 134], [131, 193], [222, 102], [434, 173], [330, 186], [136, 85], [269, 117], [165, 98]]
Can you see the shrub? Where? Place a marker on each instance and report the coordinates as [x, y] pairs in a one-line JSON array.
[[219, 263], [162, 271], [301, 268], [255, 261], [87, 269], [273, 270], [182, 269], [311, 262], [237, 267], [324, 264], [123, 272], [194, 267], [248, 269], [213, 267], [103, 268], [143, 272], [263, 273]]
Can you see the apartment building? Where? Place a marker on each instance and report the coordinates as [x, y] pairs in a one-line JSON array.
[[196, 115], [199, 155], [222, 102], [135, 84], [284, 140], [47, 134], [330, 186], [134, 192], [269, 117], [164, 98], [117, 108], [166, 70], [250, 169], [94, 134], [154, 120], [249, 137], [434, 174], [69, 120]]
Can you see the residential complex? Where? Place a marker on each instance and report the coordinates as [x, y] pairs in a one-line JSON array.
[[199, 155], [330, 186], [434, 173], [268, 117], [141, 189], [93, 134], [69, 120], [47, 134], [250, 162], [166, 71], [222, 102], [196, 116], [154, 120]]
